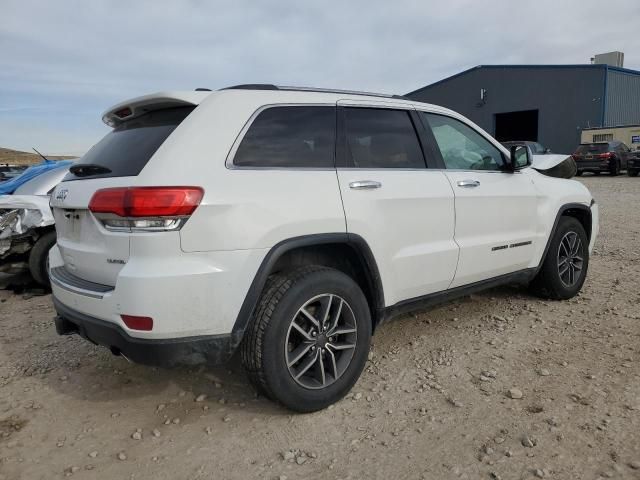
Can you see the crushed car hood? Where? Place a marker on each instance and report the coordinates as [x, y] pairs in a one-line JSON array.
[[21, 213], [554, 165]]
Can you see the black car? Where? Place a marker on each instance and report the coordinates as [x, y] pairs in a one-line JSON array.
[[535, 147], [608, 157], [633, 163]]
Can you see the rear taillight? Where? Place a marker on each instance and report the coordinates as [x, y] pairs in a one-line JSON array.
[[145, 208], [605, 155]]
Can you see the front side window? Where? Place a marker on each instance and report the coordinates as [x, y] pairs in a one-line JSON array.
[[291, 136], [462, 148], [537, 148], [381, 138]]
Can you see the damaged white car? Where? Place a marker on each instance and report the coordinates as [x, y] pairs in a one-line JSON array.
[[27, 230]]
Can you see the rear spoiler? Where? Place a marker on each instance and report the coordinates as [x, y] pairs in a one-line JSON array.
[[135, 107]]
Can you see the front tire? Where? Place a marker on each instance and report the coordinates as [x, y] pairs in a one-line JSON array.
[[579, 173], [565, 266], [632, 173], [309, 338]]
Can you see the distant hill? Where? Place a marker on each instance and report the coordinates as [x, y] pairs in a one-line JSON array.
[[16, 157]]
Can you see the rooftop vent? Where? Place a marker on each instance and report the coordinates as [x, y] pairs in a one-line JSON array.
[[613, 59]]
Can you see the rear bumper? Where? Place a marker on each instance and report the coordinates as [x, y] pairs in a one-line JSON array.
[[593, 165], [211, 349], [186, 295]]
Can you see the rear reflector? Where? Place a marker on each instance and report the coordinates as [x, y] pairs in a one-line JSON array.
[[147, 201], [137, 323]]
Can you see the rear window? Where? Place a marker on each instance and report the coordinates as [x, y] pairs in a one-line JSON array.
[[292, 136], [592, 148], [125, 150]]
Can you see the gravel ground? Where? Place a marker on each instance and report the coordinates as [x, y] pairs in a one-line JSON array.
[[496, 385]]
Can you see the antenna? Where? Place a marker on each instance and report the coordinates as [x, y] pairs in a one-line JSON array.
[[43, 157]]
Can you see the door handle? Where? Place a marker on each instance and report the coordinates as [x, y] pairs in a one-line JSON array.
[[468, 183], [364, 185]]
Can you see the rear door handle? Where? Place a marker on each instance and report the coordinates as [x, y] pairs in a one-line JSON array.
[[364, 185], [468, 183]]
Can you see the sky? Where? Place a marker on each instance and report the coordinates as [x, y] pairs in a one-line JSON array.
[[64, 62]]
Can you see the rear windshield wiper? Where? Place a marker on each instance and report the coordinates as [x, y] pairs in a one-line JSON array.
[[87, 169]]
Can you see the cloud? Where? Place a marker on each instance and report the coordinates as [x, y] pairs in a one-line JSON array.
[[73, 59]]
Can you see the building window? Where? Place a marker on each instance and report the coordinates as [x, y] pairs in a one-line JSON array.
[[602, 137]]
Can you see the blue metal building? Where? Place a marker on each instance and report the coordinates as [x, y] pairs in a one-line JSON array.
[[551, 104]]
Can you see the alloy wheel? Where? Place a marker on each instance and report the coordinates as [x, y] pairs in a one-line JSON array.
[[321, 341], [570, 259]]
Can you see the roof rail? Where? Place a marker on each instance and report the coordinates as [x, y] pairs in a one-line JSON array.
[[252, 86], [268, 86]]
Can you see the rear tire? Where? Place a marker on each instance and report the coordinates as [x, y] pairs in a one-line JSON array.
[[615, 169], [632, 173], [596, 173], [565, 266], [287, 334], [578, 173], [39, 258]]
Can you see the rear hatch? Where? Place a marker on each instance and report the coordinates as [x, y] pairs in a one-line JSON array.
[[89, 250], [590, 152]]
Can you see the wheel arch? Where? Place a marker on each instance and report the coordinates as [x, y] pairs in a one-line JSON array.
[[345, 252], [580, 212]]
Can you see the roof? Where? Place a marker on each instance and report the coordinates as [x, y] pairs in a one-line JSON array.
[[513, 67], [628, 125], [134, 107]]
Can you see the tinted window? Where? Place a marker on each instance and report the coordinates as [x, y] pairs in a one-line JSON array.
[[537, 148], [461, 146], [381, 138], [290, 137], [128, 147]]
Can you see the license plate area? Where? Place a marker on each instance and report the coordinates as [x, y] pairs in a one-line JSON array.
[[71, 224]]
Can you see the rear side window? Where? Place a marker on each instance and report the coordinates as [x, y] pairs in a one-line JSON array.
[[381, 138], [292, 136], [125, 150]]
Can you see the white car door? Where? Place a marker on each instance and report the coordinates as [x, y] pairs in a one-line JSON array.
[[496, 210], [403, 210]]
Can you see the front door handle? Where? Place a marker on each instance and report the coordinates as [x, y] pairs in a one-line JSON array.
[[364, 184], [468, 183]]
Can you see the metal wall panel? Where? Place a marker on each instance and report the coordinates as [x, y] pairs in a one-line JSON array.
[[568, 98], [623, 99]]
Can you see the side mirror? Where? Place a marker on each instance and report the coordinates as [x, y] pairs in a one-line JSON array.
[[520, 157]]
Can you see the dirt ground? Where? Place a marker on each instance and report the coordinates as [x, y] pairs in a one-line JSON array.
[[433, 403]]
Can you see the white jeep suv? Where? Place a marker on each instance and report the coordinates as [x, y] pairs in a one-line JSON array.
[[289, 223]]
